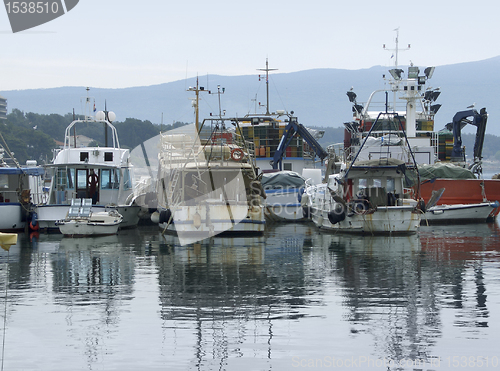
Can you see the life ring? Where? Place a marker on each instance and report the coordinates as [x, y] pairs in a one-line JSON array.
[[93, 181], [238, 157], [34, 227]]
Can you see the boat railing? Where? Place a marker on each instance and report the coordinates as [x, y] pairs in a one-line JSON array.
[[114, 134], [336, 152], [39, 197], [396, 103]]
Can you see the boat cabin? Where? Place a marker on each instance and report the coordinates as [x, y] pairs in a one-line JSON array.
[[92, 173], [380, 184]]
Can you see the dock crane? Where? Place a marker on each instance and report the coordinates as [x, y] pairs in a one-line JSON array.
[[461, 119], [294, 127]]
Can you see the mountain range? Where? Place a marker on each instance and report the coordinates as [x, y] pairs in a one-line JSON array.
[[317, 96]]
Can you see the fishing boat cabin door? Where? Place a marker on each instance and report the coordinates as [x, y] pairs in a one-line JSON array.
[[87, 184]]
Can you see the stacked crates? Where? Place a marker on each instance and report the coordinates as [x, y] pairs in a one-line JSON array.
[[266, 138], [425, 125], [445, 145]]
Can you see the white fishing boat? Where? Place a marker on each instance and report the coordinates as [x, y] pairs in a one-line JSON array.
[[368, 197], [103, 174], [207, 181], [82, 221], [207, 187], [459, 213], [19, 186], [456, 213]]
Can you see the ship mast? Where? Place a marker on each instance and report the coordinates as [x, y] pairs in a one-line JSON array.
[[267, 69], [396, 70], [197, 90]]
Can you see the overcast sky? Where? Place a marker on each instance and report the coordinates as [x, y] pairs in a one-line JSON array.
[[123, 43]]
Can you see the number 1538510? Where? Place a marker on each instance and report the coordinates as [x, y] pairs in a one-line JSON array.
[[32, 7]]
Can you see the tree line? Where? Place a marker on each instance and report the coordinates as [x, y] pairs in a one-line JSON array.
[[33, 136]]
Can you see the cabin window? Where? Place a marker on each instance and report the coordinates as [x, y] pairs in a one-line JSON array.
[[127, 182], [4, 181], [115, 178], [110, 179], [70, 176], [105, 179], [84, 156], [287, 166], [81, 178], [391, 185], [65, 179], [377, 183], [362, 184], [108, 156]]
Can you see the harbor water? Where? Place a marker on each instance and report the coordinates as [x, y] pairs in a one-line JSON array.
[[293, 299]]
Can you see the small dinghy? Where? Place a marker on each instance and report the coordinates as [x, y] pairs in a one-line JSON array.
[[81, 221]]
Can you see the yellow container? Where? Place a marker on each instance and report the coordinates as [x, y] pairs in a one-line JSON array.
[[268, 151]]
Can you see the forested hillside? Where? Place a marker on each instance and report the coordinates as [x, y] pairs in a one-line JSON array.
[[32, 136]]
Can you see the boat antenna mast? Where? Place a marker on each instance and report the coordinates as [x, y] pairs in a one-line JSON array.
[[267, 69], [87, 112], [219, 92], [397, 49], [196, 101], [396, 71]]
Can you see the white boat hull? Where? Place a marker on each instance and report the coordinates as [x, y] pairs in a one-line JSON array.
[[81, 229], [459, 213], [11, 217], [192, 223], [98, 224], [48, 215], [385, 220], [283, 206], [284, 213]]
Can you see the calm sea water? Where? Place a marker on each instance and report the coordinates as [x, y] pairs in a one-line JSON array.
[[294, 299]]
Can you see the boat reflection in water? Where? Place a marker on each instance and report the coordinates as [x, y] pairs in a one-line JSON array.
[[229, 293], [281, 301]]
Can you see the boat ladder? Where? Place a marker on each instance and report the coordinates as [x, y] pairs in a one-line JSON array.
[[172, 195]]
